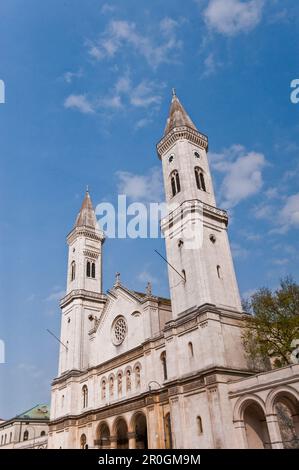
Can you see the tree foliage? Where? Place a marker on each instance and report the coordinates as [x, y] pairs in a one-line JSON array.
[[272, 325]]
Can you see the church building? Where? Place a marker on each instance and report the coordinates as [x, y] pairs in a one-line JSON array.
[[140, 371]]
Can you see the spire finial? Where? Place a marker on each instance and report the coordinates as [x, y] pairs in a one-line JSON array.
[[87, 188], [173, 92], [117, 279]]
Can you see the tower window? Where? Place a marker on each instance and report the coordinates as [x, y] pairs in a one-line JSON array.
[[88, 269], [184, 274], [219, 272], [199, 425], [196, 155], [190, 347], [73, 270], [85, 396], [93, 270], [200, 179], [25, 436], [164, 364], [170, 159], [175, 182]]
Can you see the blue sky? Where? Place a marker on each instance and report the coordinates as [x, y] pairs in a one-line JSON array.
[[88, 87]]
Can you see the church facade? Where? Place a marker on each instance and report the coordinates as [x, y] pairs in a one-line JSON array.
[[141, 371]]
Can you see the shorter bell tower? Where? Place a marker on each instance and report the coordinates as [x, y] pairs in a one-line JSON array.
[[84, 298]]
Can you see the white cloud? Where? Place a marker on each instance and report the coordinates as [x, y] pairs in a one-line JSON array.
[[107, 8], [79, 102], [69, 76], [143, 122], [242, 173], [280, 261], [144, 94], [141, 188], [238, 251], [230, 17], [145, 276], [113, 102], [289, 215], [211, 64], [120, 33], [57, 294]]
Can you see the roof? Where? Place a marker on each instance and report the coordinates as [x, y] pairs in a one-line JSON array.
[[86, 216], [38, 412], [177, 117]]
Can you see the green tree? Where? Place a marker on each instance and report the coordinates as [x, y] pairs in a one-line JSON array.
[[272, 325]]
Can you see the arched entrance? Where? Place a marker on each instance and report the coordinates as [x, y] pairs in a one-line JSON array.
[[286, 407], [103, 436], [256, 427], [122, 441], [140, 429]]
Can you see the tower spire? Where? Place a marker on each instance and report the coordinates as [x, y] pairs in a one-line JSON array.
[[86, 216], [177, 117]]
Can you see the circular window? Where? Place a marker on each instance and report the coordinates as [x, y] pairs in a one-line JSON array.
[[170, 159], [119, 330], [196, 154], [213, 238]]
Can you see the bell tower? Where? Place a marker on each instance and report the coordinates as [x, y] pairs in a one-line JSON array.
[[84, 299], [204, 272]]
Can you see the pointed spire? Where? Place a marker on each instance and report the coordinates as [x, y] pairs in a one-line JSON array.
[[177, 115], [86, 216]]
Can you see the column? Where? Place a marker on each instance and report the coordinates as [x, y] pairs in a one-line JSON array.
[[240, 433], [132, 440], [113, 442], [274, 431]]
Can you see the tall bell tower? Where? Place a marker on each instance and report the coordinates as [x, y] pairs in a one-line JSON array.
[[203, 273], [84, 299]]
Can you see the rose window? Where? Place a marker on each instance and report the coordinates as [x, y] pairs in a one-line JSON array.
[[119, 330]]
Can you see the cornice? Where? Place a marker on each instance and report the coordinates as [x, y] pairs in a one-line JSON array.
[[82, 294], [179, 133], [84, 231]]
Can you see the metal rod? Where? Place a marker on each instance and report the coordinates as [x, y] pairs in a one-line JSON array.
[[57, 339], [170, 265]]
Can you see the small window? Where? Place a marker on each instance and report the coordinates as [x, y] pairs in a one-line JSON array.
[[164, 364], [170, 159], [184, 274], [85, 396], [200, 179], [199, 425], [196, 155], [43, 433], [73, 271], [190, 348], [25, 436], [88, 269], [213, 238], [219, 272], [93, 270], [175, 183]]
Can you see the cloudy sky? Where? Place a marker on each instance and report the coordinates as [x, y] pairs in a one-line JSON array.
[[88, 86]]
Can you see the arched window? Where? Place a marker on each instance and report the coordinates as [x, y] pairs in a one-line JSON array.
[[190, 348], [93, 270], [111, 387], [88, 269], [137, 377], [119, 384], [103, 389], [85, 396], [175, 182], [199, 425], [10, 437], [5, 437], [219, 272], [73, 270], [168, 431], [25, 436], [202, 181], [164, 364], [199, 178], [128, 381], [43, 433], [83, 444]]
